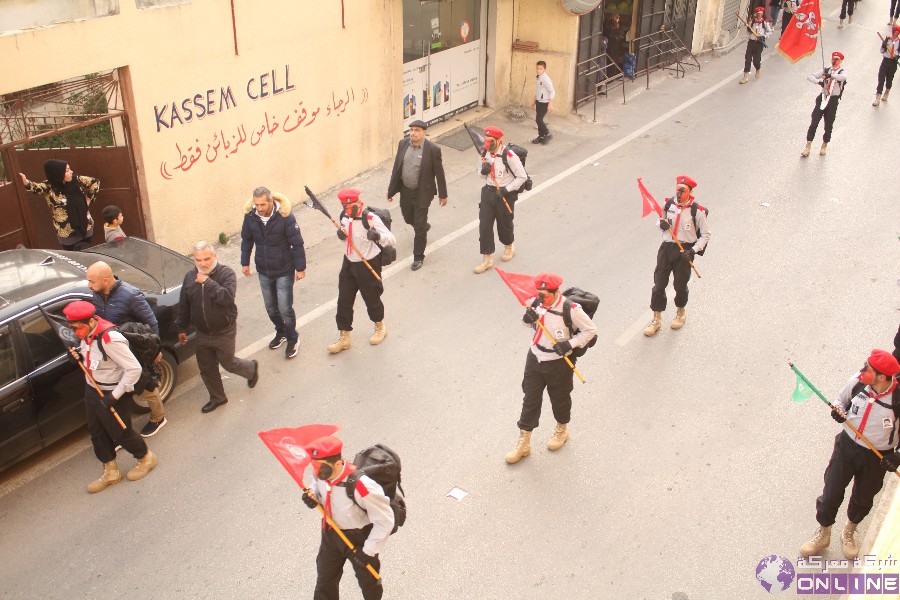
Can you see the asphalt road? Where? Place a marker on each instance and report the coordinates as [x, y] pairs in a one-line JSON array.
[[688, 462]]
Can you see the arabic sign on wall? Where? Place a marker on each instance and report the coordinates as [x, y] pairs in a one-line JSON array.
[[441, 85]]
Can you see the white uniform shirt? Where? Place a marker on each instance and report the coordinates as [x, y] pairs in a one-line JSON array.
[[762, 30], [891, 48], [513, 178], [686, 233], [542, 346], [835, 83], [544, 91], [119, 371], [357, 232], [881, 426]]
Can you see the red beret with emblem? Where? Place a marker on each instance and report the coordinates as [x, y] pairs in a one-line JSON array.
[[548, 281], [837, 54], [494, 132], [895, 29], [686, 181], [884, 362], [348, 195], [323, 448], [759, 9], [79, 310]]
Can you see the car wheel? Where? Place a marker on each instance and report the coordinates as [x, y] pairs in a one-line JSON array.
[[168, 369]]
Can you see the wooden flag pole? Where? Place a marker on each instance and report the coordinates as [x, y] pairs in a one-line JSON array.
[[340, 533], [355, 249], [95, 386], [568, 362]]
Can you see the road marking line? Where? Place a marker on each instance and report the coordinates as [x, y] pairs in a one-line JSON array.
[[635, 327]]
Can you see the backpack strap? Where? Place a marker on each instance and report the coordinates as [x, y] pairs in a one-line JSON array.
[[99, 338], [352, 484], [364, 217], [567, 315], [669, 203]]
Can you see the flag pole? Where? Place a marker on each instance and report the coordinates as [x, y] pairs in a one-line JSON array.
[[568, 362], [96, 387], [672, 233], [340, 533], [833, 407]]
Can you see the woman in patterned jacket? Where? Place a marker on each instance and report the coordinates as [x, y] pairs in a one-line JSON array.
[[70, 197]]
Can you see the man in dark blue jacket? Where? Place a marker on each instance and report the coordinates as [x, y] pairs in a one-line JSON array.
[[280, 261], [119, 302]]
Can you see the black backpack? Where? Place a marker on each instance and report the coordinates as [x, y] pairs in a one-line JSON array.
[[522, 153], [588, 303], [388, 253], [146, 346], [694, 208], [382, 465]]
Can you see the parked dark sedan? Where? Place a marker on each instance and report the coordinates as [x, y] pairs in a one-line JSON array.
[[41, 388]]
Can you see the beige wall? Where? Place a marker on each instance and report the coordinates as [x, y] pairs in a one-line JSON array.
[[173, 53]]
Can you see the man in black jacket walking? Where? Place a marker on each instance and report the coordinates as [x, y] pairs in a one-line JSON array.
[[207, 303], [280, 261], [417, 166]]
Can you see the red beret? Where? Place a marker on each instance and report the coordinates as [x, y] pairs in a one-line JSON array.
[[547, 281], [326, 447], [79, 310], [494, 132], [895, 28], [837, 54], [348, 195], [686, 181], [759, 9], [884, 362]]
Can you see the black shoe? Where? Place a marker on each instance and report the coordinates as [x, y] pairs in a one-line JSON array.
[[211, 406], [538, 140], [546, 138], [276, 342], [251, 383], [417, 264], [293, 348], [152, 428]]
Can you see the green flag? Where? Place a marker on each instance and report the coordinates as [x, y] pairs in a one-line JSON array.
[[801, 391]]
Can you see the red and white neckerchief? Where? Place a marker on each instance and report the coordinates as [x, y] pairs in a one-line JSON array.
[[348, 247], [538, 332], [892, 46], [90, 340], [871, 401], [348, 468], [680, 210]]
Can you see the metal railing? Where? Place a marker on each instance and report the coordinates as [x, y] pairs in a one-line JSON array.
[[609, 76], [663, 50]]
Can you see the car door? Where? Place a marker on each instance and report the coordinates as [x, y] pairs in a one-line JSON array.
[[19, 434]]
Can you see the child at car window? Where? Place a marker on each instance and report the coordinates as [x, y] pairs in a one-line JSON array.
[[112, 217]]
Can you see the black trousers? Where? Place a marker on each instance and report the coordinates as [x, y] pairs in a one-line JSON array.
[[895, 10], [215, 350], [540, 112], [356, 277], [753, 54], [491, 209], [106, 433], [829, 112], [786, 17], [849, 461], [333, 552], [556, 377], [886, 73], [79, 245], [415, 213], [669, 261], [847, 8]]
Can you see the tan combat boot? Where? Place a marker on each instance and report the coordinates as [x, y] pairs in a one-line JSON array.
[[841, 24], [824, 149], [877, 100], [887, 93], [379, 335], [343, 343], [560, 437], [522, 449], [820, 540], [759, 72], [486, 263], [745, 78], [848, 538], [110, 476], [143, 466], [654, 325], [806, 150], [678, 321], [508, 252]]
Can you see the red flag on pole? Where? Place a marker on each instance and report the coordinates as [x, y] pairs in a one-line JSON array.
[[287, 445], [802, 35], [650, 204], [522, 286]]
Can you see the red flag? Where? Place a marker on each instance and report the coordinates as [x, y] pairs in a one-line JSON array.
[[802, 35], [521, 285], [650, 204], [287, 445]]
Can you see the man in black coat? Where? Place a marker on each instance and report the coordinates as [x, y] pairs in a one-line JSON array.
[[417, 167]]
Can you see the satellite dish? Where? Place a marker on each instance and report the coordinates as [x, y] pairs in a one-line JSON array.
[[579, 7]]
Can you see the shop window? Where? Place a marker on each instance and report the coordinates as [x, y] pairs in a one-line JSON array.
[[437, 25], [28, 14]]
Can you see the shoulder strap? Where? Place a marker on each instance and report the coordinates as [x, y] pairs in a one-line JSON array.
[[668, 205], [860, 386], [567, 315], [350, 486], [694, 208], [99, 338], [365, 217]]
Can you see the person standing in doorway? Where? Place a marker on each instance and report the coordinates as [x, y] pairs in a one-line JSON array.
[[69, 197], [543, 102]]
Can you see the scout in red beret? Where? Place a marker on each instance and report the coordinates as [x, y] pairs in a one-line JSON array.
[[884, 363], [494, 132], [759, 30], [325, 448], [685, 180], [348, 195], [79, 310], [547, 281], [831, 86]]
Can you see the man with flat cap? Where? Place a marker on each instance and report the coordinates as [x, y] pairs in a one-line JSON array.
[[115, 370], [361, 230], [544, 365], [832, 81], [367, 520], [503, 175], [687, 219], [867, 402], [417, 168]]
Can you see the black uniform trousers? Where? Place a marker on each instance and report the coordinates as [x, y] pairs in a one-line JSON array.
[[415, 213], [849, 461], [356, 277], [754, 54], [556, 377], [886, 73], [847, 8], [333, 552], [106, 433], [670, 260], [491, 209], [829, 112], [786, 17], [895, 10], [540, 112]]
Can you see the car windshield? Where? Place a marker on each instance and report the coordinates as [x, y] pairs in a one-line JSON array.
[[163, 267]]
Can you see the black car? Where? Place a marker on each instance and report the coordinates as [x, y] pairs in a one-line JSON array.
[[41, 388]]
